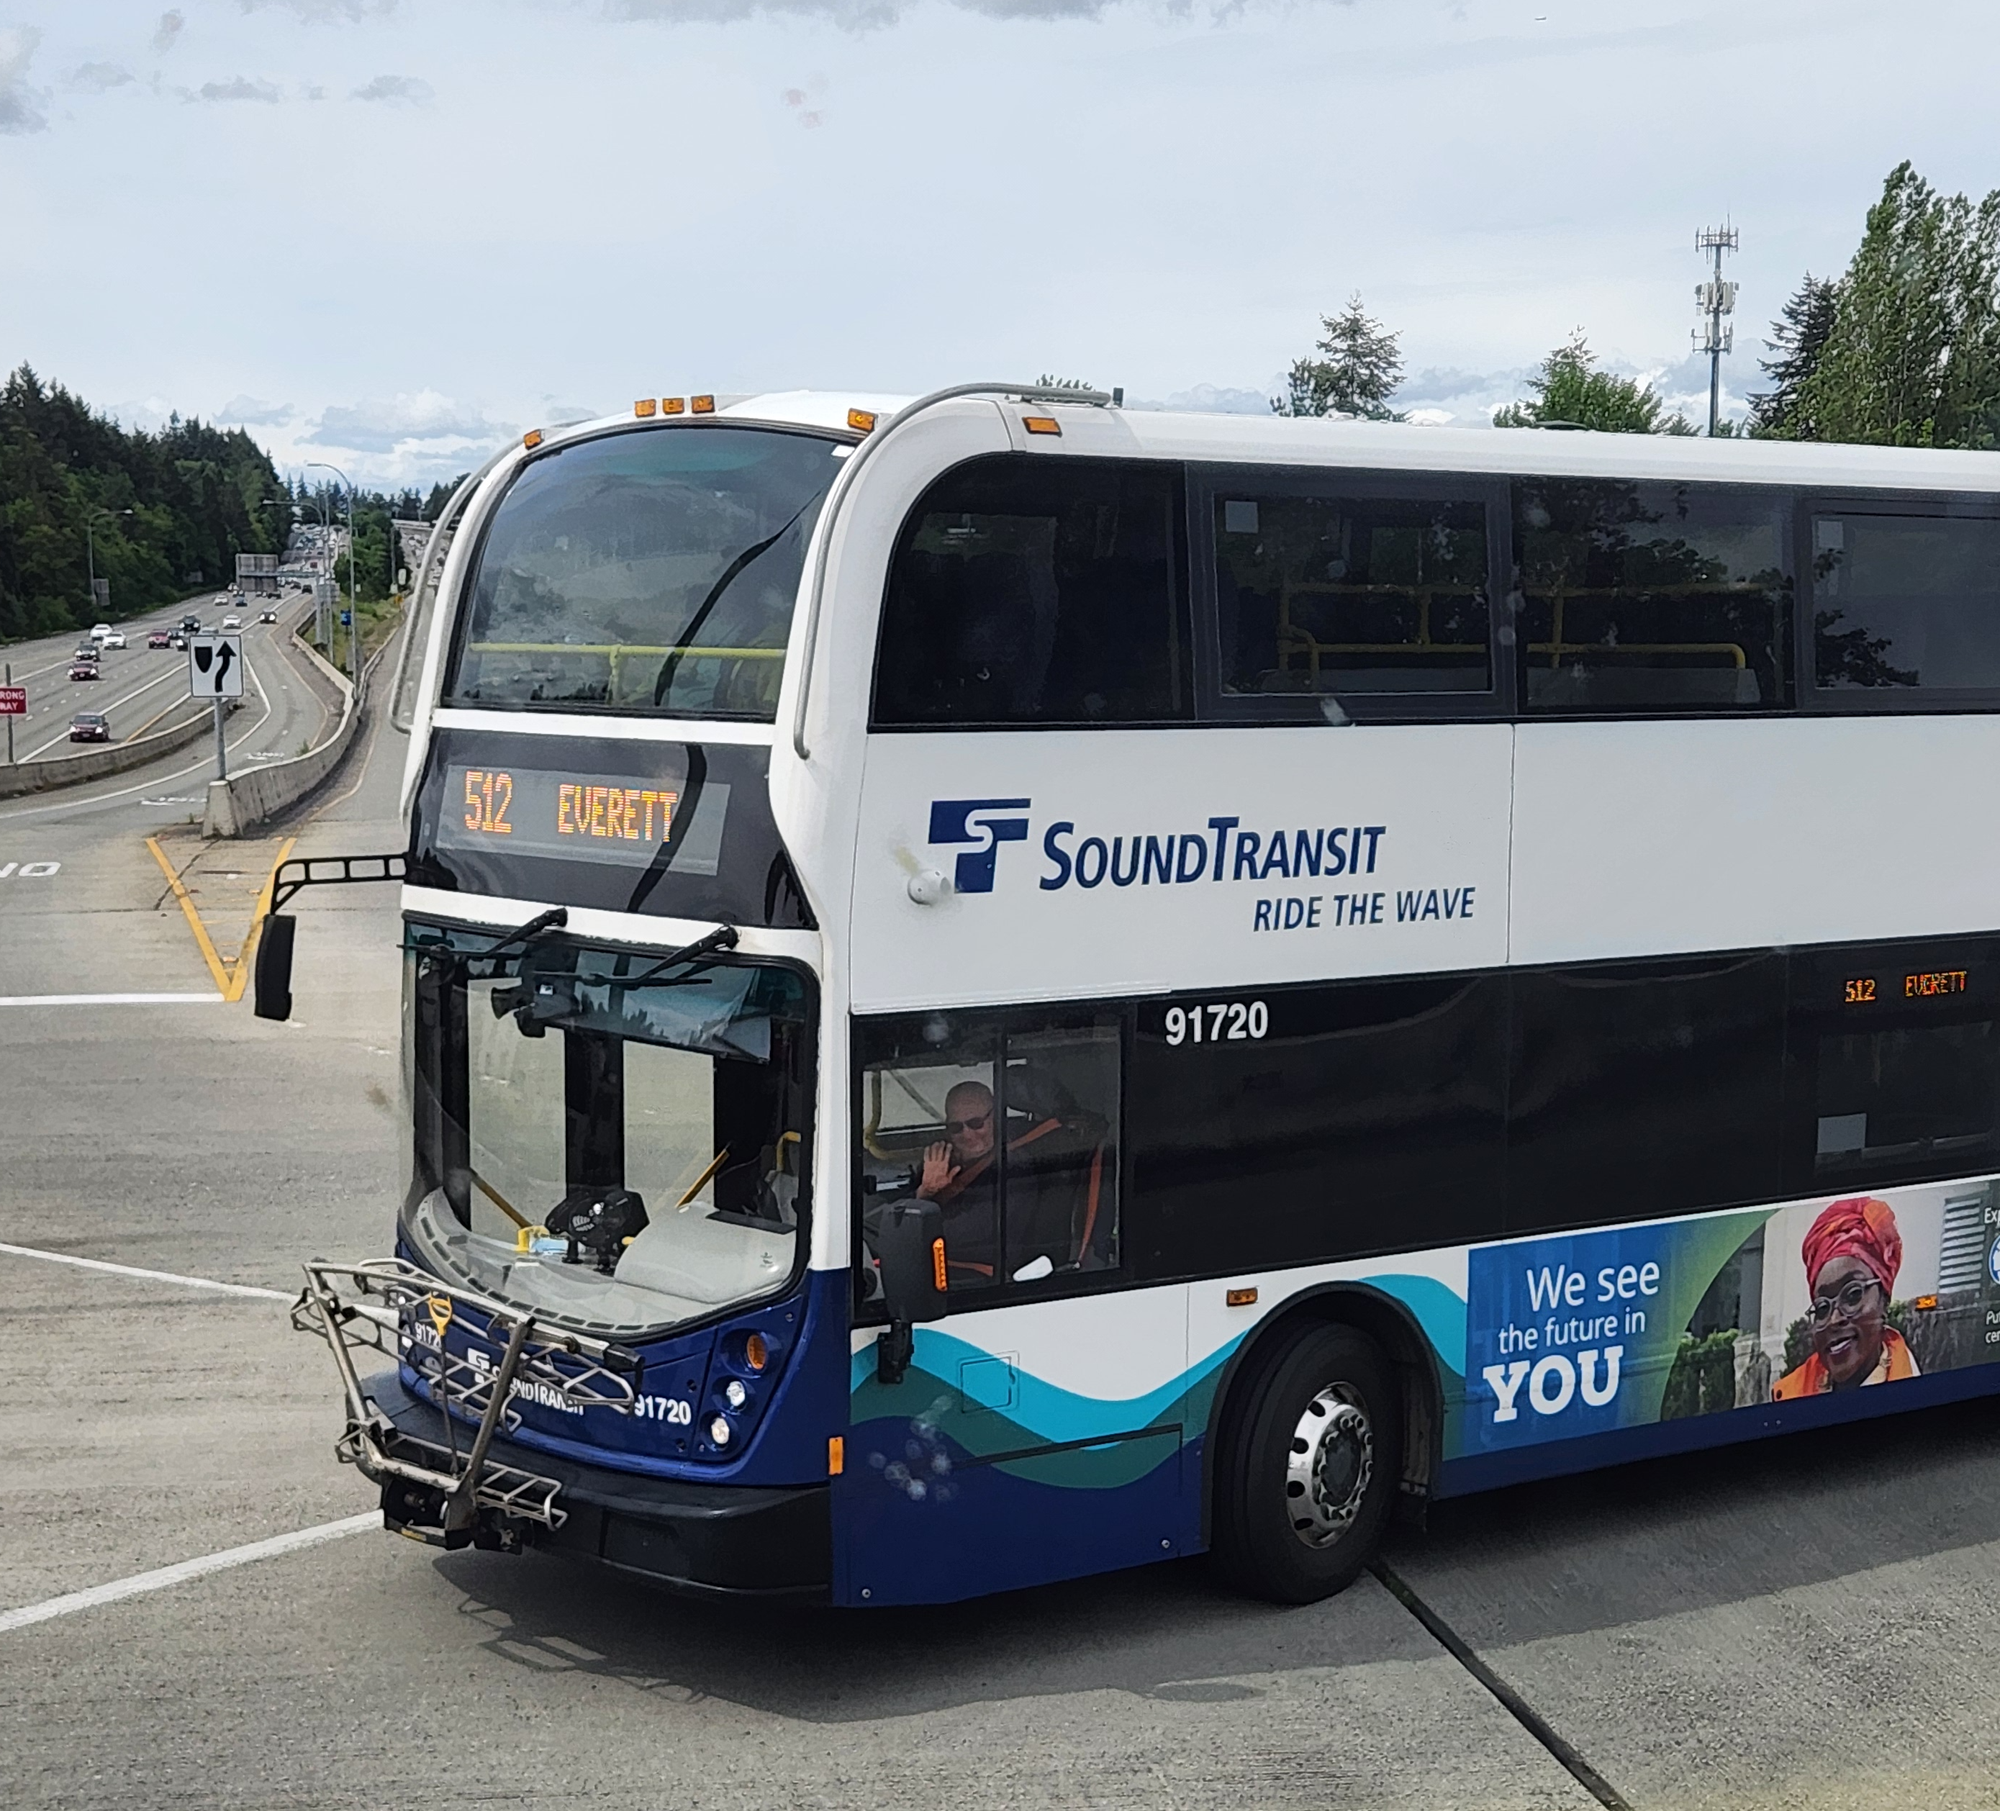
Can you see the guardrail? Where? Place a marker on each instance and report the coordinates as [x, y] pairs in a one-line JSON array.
[[252, 798], [99, 763]]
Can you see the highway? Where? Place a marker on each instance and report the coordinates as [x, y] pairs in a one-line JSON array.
[[1812, 1622]]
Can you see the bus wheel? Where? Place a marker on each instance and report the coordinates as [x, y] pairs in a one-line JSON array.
[[1307, 1468]]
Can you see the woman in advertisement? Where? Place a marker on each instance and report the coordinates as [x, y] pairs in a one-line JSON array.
[[1852, 1253]]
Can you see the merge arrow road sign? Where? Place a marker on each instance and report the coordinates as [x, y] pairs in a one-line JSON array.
[[13, 701], [215, 666]]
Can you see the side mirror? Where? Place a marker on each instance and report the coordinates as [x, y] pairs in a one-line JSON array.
[[273, 999], [909, 1244]]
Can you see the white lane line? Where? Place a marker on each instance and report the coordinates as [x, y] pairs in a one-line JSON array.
[[150, 1276], [108, 999], [141, 1582]]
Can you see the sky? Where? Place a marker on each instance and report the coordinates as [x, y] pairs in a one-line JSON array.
[[390, 234]]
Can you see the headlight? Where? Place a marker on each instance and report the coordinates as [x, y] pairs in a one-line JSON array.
[[718, 1431], [734, 1393]]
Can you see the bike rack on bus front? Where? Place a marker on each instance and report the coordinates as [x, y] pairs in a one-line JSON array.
[[405, 1314]]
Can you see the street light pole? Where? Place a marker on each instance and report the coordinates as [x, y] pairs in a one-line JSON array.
[[353, 609], [90, 553]]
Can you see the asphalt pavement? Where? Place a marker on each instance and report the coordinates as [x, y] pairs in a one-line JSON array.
[[1812, 1622]]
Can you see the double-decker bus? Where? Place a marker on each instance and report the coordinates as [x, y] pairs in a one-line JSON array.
[[999, 987]]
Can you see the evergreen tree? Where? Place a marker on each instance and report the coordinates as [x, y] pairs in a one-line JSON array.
[[1569, 391], [1798, 337], [1358, 374], [1912, 357]]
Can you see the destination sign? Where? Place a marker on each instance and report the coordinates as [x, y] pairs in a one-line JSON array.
[[1922, 984], [590, 817]]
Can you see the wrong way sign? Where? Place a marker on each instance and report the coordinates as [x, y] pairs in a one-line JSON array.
[[215, 666], [13, 701]]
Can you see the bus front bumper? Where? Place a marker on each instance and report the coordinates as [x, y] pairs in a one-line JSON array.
[[722, 1540]]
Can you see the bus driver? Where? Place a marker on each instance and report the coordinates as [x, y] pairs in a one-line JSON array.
[[959, 1174]]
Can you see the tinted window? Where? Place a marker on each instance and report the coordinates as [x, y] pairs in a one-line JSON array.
[[651, 572], [1319, 592], [1906, 601], [1036, 590], [1010, 1124], [1899, 1052], [1645, 1090], [1644, 597], [1366, 1117]]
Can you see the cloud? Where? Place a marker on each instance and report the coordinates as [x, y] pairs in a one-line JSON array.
[[169, 32], [238, 88], [397, 90], [325, 12], [248, 412], [403, 422], [20, 104], [796, 99], [97, 77]]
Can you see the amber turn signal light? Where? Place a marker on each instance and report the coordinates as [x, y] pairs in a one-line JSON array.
[[672, 405], [703, 405], [756, 1354], [1241, 1298], [644, 407], [862, 421], [937, 1263], [532, 439], [1041, 424]]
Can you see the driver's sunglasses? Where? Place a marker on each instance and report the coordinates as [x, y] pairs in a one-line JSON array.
[[978, 1123], [1847, 1303]]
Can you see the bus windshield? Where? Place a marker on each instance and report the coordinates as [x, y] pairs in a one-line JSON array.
[[646, 573], [615, 1142]]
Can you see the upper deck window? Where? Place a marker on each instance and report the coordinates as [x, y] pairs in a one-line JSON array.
[[1640, 597], [1906, 601], [1319, 592], [1035, 590], [645, 573]]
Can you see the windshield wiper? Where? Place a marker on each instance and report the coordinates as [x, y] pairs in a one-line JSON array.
[[723, 937], [733, 571]]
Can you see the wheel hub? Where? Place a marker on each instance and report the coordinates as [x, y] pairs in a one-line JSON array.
[[1329, 1466]]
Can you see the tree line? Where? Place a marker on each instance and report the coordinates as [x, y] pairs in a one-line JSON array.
[[163, 513], [1901, 349]]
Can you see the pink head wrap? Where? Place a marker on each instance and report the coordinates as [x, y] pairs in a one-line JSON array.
[[1859, 1227]]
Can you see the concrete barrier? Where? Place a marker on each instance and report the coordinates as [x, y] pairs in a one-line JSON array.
[[117, 757], [247, 800]]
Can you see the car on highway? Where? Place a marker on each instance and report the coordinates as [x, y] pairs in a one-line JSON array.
[[190, 625], [111, 638], [160, 638], [90, 651], [267, 616], [84, 669], [178, 639], [232, 622], [98, 631], [90, 726]]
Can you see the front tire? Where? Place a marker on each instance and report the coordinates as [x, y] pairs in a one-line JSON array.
[[1307, 1466]]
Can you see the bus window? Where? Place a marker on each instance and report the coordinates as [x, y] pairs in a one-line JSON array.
[[1906, 601], [1319, 592], [1902, 1051], [1035, 590], [1316, 1123], [1645, 1089], [1640, 596], [1010, 1128], [648, 572]]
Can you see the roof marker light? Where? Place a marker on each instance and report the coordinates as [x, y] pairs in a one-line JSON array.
[[644, 407], [532, 439], [672, 405], [1041, 424], [862, 421], [702, 405]]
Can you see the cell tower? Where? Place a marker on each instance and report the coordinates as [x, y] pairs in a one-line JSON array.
[[1715, 298]]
